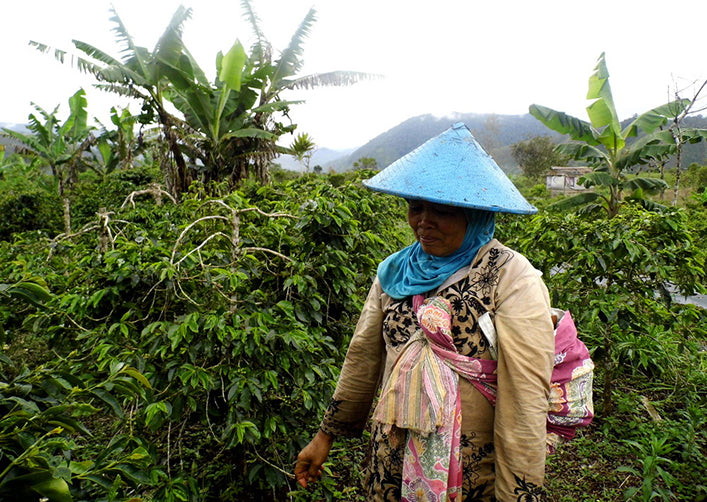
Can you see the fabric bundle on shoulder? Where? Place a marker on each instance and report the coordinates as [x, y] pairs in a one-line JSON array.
[[570, 404], [419, 392], [570, 401]]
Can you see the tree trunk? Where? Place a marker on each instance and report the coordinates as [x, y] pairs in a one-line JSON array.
[[177, 176], [677, 181], [67, 216], [607, 398], [103, 236], [678, 157], [661, 167]]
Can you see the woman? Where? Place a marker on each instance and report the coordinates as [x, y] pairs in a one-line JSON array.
[[453, 422]]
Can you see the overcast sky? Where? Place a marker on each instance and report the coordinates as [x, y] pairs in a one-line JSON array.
[[436, 56]]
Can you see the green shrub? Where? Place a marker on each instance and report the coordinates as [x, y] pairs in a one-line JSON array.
[[92, 193], [239, 321], [237, 312], [27, 205], [619, 277]]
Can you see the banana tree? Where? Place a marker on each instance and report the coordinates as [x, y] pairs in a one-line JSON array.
[[604, 144], [218, 130], [235, 122], [116, 149], [231, 127], [139, 74], [59, 146]]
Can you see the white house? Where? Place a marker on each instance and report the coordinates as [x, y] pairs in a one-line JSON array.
[[566, 179]]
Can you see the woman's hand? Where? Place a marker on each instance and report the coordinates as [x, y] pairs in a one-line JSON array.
[[308, 467]]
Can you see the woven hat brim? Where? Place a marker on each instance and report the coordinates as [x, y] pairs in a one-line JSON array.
[[452, 169]]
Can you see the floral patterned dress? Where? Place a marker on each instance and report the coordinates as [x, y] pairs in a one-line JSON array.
[[503, 447]]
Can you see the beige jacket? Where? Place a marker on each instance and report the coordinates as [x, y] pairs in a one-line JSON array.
[[505, 452]]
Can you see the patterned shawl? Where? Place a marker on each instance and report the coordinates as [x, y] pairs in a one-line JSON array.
[[422, 396]]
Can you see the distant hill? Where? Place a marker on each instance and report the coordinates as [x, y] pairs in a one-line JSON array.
[[9, 143], [495, 133], [320, 157]]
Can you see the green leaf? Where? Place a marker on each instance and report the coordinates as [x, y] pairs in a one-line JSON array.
[[135, 474], [78, 119], [80, 468], [243, 427], [583, 151], [27, 406], [156, 413], [646, 148], [232, 66], [598, 178], [55, 489], [577, 129], [62, 472], [139, 453], [250, 133], [647, 184], [602, 111], [29, 291], [652, 119], [102, 481], [137, 376], [575, 201], [650, 205], [107, 398], [277, 106]]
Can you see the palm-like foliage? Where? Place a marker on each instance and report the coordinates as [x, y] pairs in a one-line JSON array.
[[237, 121], [59, 146], [230, 127], [140, 74], [603, 144], [116, 149], [302, 149]]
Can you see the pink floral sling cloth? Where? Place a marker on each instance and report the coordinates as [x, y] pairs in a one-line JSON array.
[[422, 396], [570, 402]]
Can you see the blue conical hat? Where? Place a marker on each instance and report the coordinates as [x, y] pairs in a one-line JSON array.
[[452, 169]]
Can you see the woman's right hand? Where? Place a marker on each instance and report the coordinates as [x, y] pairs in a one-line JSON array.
[[308, 467]]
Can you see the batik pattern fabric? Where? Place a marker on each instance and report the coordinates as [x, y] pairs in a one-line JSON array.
[[570, 402], [422, 396], [502, 448]]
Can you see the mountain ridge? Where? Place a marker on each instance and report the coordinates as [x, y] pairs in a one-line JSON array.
[[496, 133]]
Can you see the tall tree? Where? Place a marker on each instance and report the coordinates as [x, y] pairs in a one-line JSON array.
[[676, 135], [536, 156], [140, 74], [58, 145], [116, 148], [366, 163], [602, 143], [230, 127], [237, 121]]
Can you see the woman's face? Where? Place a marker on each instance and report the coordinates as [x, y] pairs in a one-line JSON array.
[[439, 229]]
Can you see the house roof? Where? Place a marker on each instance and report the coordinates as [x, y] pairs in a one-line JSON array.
[[570, 170]]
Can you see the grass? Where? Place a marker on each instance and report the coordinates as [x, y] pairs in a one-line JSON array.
[[585, 469]]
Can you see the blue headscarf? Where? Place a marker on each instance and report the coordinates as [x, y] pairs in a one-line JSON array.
[[411, 271]]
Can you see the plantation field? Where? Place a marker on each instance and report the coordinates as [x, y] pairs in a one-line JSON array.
[[186, 351], [175, 309]]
